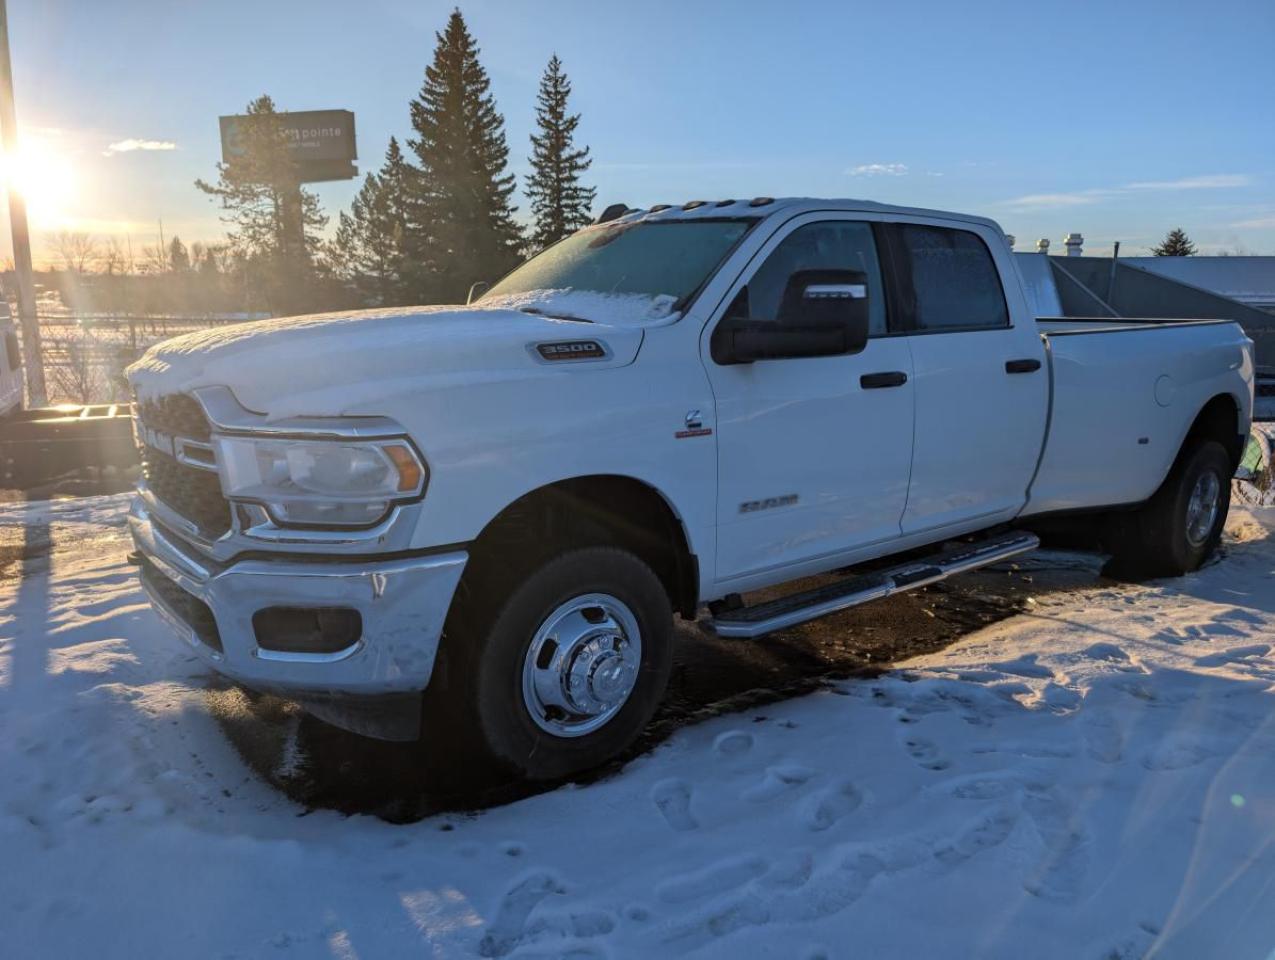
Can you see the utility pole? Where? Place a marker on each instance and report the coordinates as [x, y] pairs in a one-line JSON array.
[[18, 225]]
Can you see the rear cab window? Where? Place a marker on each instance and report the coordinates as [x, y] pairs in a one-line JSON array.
[[949, 280]]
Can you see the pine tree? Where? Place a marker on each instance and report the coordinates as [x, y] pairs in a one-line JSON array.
[[1175, 244], [274, 221], [370, 247], [558, 201], [178, 258], [462, 226]]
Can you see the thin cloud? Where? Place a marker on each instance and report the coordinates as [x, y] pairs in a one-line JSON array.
[[1261, 223], [1058, 201], [1055, 201], [879, 170], [133, 144], [1210, 181]]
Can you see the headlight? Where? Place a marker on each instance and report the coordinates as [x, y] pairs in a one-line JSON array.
[[320, 482]]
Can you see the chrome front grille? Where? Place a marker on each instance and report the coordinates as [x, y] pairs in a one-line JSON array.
[[193, 492]]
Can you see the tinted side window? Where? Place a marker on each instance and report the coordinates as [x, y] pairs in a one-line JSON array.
[[954, 279], [827, 245]]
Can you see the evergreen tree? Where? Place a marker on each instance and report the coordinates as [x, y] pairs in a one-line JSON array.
[[274, 221], [369, 249], [178, 258], [1175, 244], [461, 226], [558, 201]]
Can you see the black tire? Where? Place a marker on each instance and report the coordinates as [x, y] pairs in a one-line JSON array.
[[486, 649], [1156, 540]]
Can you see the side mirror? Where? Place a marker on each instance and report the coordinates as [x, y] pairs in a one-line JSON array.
[[477, 290], [823, 313]]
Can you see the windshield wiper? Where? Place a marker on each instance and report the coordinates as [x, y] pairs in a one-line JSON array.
[[553, 316]]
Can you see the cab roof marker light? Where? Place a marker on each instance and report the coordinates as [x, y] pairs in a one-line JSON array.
[[725, 203], [760, 201], [694, 204], [613, 212], [661, 206]]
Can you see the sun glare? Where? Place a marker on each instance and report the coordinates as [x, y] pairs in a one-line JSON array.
[[45, 178]]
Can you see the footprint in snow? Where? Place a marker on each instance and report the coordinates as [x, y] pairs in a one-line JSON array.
[[777, 781], [1242, 616], [714, 879], [510, 923], [1234, 655], [983, 834], [1024, 666], [1108, 652], [926, 753], [1103, 739], [829, 806], [1060, 874], [1175, 755], [1218, 628], [580, 924], [673, 799], [732, 743], [790, 871]]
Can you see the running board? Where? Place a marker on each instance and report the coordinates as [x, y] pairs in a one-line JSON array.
[[749, 622]]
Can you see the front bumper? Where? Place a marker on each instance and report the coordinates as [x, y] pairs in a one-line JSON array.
[[403, 604]]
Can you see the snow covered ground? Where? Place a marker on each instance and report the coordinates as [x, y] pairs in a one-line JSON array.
[[1095, 779]]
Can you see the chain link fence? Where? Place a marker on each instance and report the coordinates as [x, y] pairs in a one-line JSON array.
[[85, 355]]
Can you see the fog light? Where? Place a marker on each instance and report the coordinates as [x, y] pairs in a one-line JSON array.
[[307, 629]]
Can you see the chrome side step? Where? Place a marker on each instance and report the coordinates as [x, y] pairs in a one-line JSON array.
[[749, 622]]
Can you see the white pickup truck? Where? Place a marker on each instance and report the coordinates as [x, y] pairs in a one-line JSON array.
[[475, 523]]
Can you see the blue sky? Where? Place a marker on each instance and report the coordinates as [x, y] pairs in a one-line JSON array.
[[1118, 119]]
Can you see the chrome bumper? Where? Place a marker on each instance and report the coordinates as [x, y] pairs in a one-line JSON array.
[[403, 604]]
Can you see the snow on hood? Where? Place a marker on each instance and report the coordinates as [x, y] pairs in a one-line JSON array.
[[272, 364], [613, 308]]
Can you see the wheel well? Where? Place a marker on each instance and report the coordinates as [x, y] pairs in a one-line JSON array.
[[588, 511], [1219, 420]]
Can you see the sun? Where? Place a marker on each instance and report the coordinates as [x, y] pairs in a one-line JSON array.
[[45, 178]]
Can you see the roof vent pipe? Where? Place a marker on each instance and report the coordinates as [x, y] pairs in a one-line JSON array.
[[1042, 245], [1074, 242]]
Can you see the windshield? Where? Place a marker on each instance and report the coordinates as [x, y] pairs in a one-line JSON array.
[[660, 261]]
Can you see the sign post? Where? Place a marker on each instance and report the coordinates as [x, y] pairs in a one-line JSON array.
[[34, 361], [320, 142]]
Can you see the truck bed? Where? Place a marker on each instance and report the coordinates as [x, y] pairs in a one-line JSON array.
[[1122, 395]]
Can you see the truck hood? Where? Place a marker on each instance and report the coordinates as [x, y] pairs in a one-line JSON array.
[[329, 364]]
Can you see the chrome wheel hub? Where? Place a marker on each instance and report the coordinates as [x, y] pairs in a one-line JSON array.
[[1202, 508], [582, 665]]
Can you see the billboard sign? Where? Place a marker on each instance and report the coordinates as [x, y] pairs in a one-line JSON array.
[[321, 141]]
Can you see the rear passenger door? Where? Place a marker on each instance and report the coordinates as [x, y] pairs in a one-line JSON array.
[[981, 386]]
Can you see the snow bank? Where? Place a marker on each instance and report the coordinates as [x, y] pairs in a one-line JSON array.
[[1091, 779]]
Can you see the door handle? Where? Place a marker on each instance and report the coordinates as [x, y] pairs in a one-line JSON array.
[[1022, 366], [875, 381]]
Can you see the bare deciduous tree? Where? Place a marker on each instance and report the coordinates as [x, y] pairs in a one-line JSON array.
[[113, 259], [76, 250]]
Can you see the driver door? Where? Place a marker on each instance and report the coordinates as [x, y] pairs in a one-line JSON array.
[[814, 453]]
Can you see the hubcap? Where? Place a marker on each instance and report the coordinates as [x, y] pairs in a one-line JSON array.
[[1202, 508], [582, 665]]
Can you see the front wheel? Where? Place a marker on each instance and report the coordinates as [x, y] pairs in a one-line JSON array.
[[1181, 525], [568, 670]]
